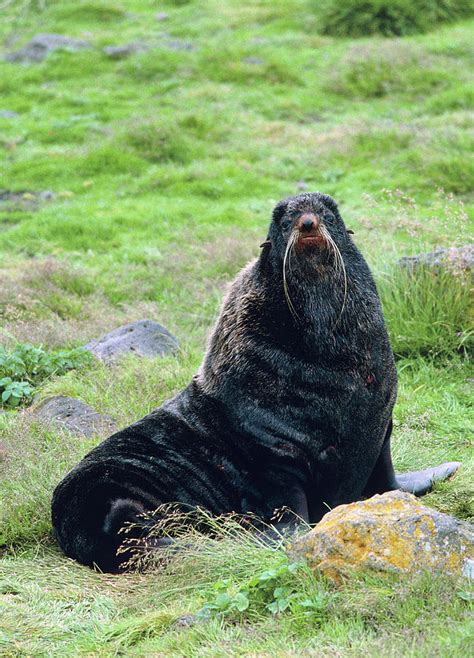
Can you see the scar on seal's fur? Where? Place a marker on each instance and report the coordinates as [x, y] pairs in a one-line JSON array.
[[292, 405]]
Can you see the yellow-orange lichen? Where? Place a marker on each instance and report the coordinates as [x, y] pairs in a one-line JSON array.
[[392, 532]]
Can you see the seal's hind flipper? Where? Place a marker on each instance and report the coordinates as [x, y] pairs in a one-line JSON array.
[[421, 482]]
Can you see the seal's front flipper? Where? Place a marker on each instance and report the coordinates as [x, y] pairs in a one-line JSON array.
[[421, 482], [384, 478]]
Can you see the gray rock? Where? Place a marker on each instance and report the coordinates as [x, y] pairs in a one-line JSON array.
[[121, 52], [8, 114], [46, 195], [185, 621], [458, 258], [41, 45], [73, 415], [23, 199], [162, 16], [143, 338], [302, 185], [255, 61], [179, 44]]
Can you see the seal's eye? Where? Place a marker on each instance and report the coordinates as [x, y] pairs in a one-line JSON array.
[[286, 223], [328, 216]]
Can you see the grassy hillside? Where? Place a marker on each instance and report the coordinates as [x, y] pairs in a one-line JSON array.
[[137, 187]]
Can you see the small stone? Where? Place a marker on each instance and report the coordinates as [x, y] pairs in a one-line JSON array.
[[46, 195], [178, 44], [185, 621], [387, 533], [302, 185], [255, 61], [23, 199], [162, 16], [121, 52], [8, 114], [73, 415], [41, 45], [142, 338]]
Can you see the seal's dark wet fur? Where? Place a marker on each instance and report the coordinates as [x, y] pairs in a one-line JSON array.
[[291, 406]]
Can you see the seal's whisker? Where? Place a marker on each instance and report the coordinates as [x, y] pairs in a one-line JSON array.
[[339, 266], [288, 250]]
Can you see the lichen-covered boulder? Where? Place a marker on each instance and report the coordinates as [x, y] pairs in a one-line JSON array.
[[392, 532]]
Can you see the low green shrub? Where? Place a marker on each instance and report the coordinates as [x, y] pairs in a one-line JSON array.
[[24, 367], [160, 140], [358, 18], [110, 159], [90, 13]]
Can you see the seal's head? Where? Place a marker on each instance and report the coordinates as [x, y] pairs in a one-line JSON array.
[[307, 237], [310, 223]]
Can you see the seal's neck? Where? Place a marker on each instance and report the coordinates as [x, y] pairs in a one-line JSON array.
[[317, 297]]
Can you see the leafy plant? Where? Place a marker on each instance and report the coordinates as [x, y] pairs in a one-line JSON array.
[[24, 367], [13, 392], [273, 591]]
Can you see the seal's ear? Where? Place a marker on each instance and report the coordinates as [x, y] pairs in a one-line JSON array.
[[279, 210], [267, 243]]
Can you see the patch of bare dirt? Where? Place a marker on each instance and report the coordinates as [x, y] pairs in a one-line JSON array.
[[49, 303]]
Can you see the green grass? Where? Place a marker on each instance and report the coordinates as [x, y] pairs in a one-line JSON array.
[[164, 168]]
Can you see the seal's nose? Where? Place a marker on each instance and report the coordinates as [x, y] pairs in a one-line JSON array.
[[308, 222]]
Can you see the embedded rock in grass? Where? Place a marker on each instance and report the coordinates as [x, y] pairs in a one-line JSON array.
[[392, 532], [254, 61], [73, 415], [453, 259], [143, 338], [185, 621], [178, 44], [41, 45], [8, 114], [121, 52], [23, 199]]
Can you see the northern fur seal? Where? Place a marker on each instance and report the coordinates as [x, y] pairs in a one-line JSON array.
[[291, 406]]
